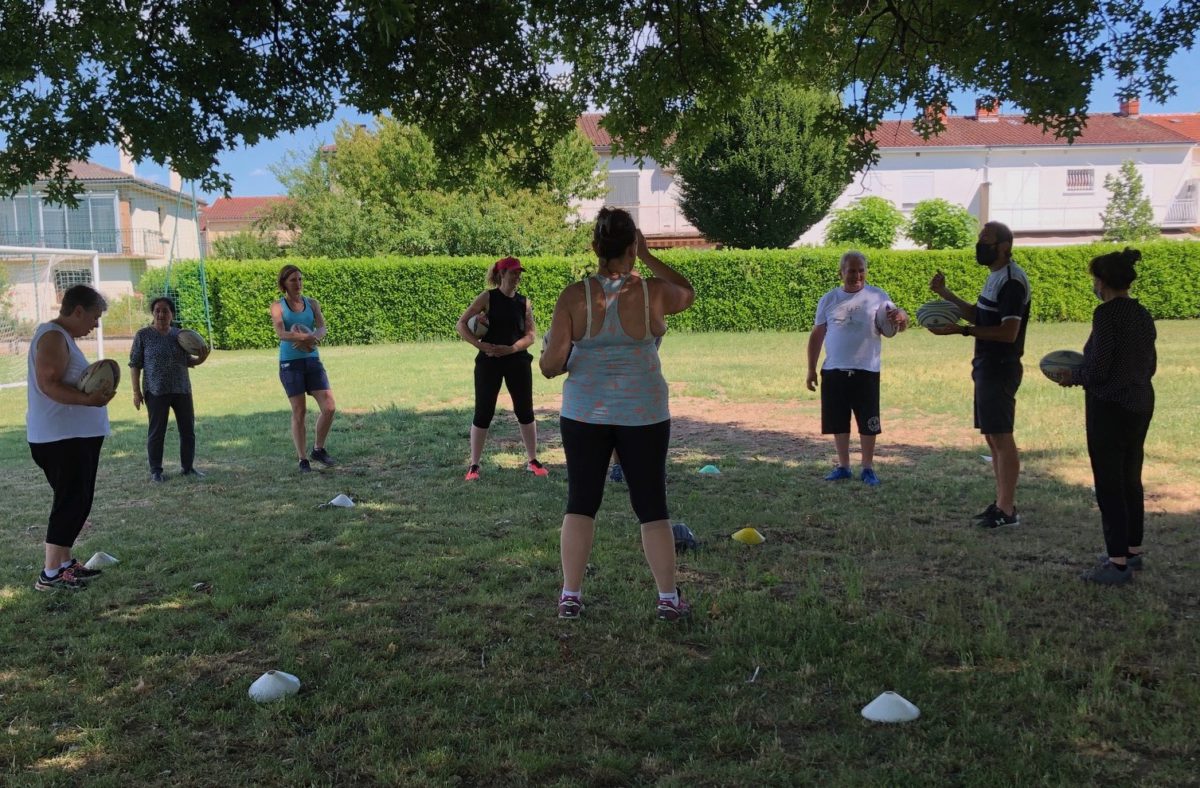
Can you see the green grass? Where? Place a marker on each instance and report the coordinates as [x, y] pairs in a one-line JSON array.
[[422, 622]]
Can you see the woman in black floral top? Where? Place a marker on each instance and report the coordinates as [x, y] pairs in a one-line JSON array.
[[1119, 361], [164, 386]]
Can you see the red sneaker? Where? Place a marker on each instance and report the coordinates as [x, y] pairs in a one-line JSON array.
[[537, 469], [673, 611], [472, 473], [569, 607]]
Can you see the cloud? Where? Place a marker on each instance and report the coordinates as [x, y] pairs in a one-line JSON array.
[[260, 171]]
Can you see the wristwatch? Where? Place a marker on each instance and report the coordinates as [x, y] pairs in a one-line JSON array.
[[966, 331]]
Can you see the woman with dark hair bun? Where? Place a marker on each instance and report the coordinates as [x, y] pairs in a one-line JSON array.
[[1119, 361], [615, 398], [166, 387]]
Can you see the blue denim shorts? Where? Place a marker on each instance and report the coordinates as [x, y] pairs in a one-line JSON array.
[[303, 376]]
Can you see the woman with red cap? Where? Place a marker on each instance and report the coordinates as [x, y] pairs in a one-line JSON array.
[[503, 357]]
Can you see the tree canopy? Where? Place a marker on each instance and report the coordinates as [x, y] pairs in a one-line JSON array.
[[180, 81], [769, 172], [386, 190]]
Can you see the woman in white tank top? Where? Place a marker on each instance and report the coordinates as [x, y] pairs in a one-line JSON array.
[[66, 429]]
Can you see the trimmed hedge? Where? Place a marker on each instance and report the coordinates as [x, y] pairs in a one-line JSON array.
[[403, 299]]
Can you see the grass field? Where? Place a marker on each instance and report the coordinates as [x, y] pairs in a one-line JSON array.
[[422, 624]]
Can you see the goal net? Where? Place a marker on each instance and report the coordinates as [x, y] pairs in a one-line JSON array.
[[32, 283]]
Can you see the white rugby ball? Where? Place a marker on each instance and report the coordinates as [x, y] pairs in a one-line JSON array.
[[104, 372], [303, 329], [477, 324], [191, 342], [1058, 361], [937, 314], [886, 327]]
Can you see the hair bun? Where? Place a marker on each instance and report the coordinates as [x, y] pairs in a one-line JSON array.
[[1131, 256]]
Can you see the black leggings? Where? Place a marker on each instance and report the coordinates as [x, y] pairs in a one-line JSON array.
[[1115, 440], [70, 467], [158, 406], [643, 453], [516, 371]]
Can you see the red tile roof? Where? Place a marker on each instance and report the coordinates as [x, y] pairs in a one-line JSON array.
[[589, 124], [1011, 131], [232, 209], [1187, 124], [91, 171], [1004, 131]]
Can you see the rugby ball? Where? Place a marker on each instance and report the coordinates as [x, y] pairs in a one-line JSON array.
[[937, 314], [477, 324], [104, 372], [191, 342], [1058, 361], [885, 326]]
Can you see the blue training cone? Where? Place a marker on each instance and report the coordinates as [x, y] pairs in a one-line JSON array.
[[711, 470]]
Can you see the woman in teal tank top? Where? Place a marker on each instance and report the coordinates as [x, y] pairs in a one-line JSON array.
[[615, 397], [300, 327]]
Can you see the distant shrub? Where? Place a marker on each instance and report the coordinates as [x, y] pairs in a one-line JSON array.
[[870, 223], [939, 224]]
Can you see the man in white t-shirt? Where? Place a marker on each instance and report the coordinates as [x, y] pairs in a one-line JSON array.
[[845, 325]]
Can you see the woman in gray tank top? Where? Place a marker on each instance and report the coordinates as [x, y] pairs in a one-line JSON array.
[[615, 397]]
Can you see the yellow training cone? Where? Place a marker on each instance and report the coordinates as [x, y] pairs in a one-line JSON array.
[[749, 536]]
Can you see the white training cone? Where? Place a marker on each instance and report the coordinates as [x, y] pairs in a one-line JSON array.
[[100, 560], [273, 685], [890, 707], [342, 500]]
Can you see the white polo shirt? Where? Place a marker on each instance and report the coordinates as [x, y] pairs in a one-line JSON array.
[[852, 341]]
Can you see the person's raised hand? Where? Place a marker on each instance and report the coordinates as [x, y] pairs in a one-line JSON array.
[[938, 284]]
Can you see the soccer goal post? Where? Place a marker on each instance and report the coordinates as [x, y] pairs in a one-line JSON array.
[[32, 281]]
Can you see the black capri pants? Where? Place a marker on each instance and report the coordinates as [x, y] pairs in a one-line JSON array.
[[516, 371], [643, 453], [70, 466]]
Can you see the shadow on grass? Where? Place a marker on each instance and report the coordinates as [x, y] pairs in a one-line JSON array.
[[429, 607]]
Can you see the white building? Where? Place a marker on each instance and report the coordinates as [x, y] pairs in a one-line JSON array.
[[995, 165], [132, 222], [647, 191]]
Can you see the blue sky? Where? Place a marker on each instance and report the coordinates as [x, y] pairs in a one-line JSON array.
[[250, 167]]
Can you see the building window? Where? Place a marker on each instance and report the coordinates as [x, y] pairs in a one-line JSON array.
[[67, 277], [915, 187], [1081, 180]]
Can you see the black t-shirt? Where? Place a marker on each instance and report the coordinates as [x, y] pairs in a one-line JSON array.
[[1005, 296], [506, 318]]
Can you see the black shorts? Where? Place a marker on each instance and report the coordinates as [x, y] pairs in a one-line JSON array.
[[996, 384], [844, 391], [303, 376]]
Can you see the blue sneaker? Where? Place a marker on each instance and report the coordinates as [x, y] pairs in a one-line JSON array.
[[869, 478], [838, 473], [615, 474]]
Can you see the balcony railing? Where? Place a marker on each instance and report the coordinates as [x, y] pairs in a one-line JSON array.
[[1181, 212], [129, 243]]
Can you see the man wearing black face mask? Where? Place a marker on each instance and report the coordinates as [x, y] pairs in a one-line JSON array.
[[999, 318]]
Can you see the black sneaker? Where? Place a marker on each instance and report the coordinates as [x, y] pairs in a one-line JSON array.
[[998, 519], [62, 581], [81, 572], [305, 467], [1107, 575], [322, 456], [193, 472], [988, 512], [1132, 560], [157, 477]]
